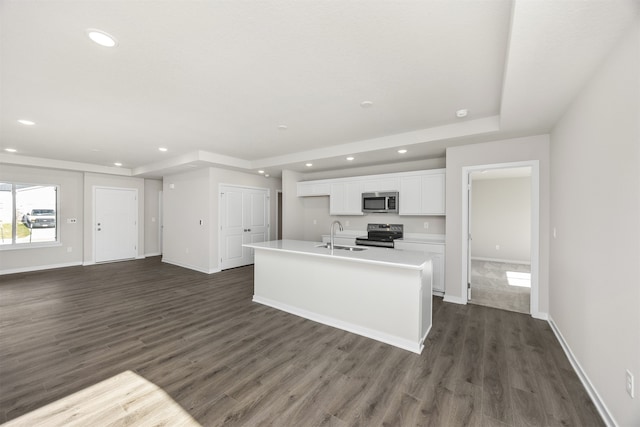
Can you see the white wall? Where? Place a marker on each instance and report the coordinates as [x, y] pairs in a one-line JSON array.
[[92, 180], [501, 219], [190, 198], [504, 151], [293, 209], [186, 202], [595, 208], [70, 235], [152, 189]]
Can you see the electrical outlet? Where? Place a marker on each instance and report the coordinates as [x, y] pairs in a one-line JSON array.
[[630, 384], [426, 225], [315, 222], [70, 249], [347, 223], [71, 220]]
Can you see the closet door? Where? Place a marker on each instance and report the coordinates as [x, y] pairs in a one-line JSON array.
[[244, 218]]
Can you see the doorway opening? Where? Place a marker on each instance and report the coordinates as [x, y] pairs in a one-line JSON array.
[[500, 236]]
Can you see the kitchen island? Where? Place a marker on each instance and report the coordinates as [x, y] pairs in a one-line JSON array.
[[379, 293]]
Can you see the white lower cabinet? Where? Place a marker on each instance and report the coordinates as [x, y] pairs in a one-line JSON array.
[[436, 251]]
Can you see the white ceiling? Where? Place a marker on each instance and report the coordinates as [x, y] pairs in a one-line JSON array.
[[212, 80]]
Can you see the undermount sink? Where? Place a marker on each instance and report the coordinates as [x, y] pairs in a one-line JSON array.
[[344, 248]]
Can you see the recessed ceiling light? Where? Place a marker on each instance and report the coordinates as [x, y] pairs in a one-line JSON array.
[[366, 104], [350, 158], [309, 165], [10, 150], [461, 113], [266, 175], [260, 171], [402, 151], [26, 122], [102, 38], [163, 149], [283, 127], [118, 164]]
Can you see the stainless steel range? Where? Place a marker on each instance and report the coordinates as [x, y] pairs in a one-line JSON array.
[[381, 235]]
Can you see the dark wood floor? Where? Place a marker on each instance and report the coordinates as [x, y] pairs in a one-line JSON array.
[[229, 361]]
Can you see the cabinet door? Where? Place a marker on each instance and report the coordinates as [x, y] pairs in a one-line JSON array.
[[432, 192], [312, 188], [423, 194], [391, 184], [346, 198], [410, 195], [436, 252]]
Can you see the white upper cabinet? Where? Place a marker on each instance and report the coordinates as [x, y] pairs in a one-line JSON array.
[[346, 198], [313, 188], [423, 194], [388, 184]]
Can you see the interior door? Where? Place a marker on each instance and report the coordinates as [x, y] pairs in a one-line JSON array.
[[116, 227], [243, 219]]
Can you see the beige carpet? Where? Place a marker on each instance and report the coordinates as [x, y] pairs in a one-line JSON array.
[[501, 285]]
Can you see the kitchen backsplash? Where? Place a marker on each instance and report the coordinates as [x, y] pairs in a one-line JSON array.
[[317, 220]]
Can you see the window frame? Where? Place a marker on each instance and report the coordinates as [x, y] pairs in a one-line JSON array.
[[15, 220]]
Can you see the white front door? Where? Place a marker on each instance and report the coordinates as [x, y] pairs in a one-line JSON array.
[[116, 224], [243, 219]]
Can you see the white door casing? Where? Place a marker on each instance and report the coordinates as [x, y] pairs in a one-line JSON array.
[[115, 228], [535, 227], [244, 218]]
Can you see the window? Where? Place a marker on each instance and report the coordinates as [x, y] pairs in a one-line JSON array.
[[28, 214]]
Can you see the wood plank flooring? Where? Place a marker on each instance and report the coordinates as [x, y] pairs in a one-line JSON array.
[[228, 361]]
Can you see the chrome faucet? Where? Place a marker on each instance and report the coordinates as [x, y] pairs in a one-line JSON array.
[[333, 236]]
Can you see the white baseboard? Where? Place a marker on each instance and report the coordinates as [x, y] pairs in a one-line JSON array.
[[38, 268], [190, 267], [153, 254], [507, 261], [455, 300], [540, 315], [345, 326], [140, 257], [591, 390]]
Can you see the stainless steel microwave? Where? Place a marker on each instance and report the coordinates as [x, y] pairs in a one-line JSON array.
[[380, 202]]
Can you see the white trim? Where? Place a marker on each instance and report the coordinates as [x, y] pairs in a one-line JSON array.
[[455, 300], [604, 412], [506, 261], [540, 315], [535, 225], [153, 254], [140, 257], [39, 267], [349, 327], [278, 213], [191, 267]]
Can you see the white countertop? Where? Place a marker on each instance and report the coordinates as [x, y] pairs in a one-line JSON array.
[[381, 256]]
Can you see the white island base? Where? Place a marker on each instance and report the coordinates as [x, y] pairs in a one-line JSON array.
[[360, 292]]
